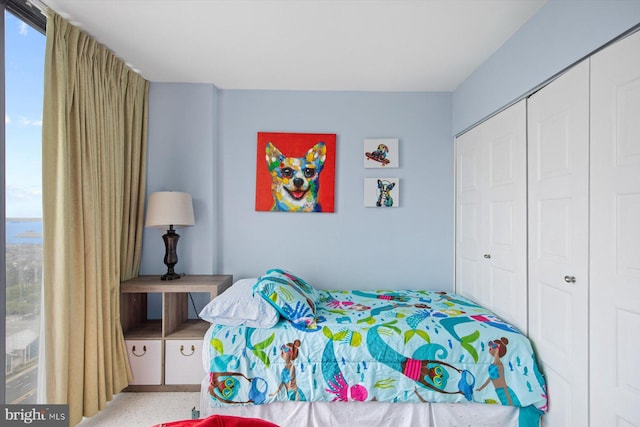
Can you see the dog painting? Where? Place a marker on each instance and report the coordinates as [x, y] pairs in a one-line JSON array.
[[384, 193], [381, 192], [295, 172], [381, 153]]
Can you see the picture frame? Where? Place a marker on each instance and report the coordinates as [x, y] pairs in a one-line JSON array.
[[381, 153], [295, 172], [381, 192]]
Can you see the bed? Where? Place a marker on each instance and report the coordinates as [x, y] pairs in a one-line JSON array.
[[280, 350]]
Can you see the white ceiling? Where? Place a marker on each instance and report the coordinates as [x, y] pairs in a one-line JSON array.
[[362, 45]]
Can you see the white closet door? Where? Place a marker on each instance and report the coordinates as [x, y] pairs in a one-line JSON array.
[[615, 235], [491, 248], [558, 146], [506, 212], [469, 261]]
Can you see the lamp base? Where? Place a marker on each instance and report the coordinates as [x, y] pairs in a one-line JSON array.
[[170, 276], [171, 254]]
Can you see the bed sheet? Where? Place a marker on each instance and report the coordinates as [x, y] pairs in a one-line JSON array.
[[372, 414]]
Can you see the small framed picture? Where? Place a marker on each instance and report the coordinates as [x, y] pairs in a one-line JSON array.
[[381, 192], [381, 153]]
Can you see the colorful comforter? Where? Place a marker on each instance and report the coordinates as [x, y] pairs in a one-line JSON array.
[[389, 346]]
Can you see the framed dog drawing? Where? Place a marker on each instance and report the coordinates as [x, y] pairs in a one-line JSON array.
[[381, 192], [381, 153], [295, 172]]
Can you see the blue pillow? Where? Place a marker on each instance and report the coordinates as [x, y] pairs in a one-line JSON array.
[[309, 290], [291, 296]]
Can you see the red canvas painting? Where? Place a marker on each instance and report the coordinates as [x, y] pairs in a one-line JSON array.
[[295, 172]]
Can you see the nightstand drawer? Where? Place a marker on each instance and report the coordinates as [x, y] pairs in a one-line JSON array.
[[145, 357], [183, 362]]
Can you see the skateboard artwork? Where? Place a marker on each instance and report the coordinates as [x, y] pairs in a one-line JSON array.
[[379, 155]]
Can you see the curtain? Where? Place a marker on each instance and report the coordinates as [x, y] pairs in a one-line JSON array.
[[94, 136]]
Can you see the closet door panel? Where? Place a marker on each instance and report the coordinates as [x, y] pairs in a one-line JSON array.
[[558, 138], [469, 214], [491, 215], [615, 234], [506, 203]]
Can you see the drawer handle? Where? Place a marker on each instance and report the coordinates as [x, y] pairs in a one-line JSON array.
[[193, 350], [487, 256], [570, 279], [144, 351]]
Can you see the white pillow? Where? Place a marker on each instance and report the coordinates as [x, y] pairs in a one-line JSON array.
[[238, 306]]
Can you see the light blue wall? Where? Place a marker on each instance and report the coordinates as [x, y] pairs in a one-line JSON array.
[[203, 141], [182, 151], [561, 33], [355, 247], [182, 144]]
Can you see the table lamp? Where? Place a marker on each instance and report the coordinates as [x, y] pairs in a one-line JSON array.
[[170, 209]]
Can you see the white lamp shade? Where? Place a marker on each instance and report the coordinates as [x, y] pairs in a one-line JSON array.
[[165, 208]]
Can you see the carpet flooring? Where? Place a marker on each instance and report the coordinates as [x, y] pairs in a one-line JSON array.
[[144, 409]]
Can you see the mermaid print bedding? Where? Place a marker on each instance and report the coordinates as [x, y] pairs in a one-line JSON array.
[[388, 346]]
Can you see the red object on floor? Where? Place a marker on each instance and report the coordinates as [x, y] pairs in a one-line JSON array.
[[220, 421]]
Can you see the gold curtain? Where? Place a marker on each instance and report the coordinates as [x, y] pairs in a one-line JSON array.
[[94, 136]]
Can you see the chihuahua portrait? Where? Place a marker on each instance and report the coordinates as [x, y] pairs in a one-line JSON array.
[[295, 180]]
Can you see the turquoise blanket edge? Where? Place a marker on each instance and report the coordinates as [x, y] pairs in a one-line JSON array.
[[529, 416]]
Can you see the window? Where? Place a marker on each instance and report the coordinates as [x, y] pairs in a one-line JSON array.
[[24, 52]]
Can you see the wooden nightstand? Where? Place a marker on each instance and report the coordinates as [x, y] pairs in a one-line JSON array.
[[165, 354]]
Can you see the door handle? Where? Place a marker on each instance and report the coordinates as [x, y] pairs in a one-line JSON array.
[[570, 279]]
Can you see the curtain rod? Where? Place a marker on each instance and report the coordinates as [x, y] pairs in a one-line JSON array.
[[43, 8]]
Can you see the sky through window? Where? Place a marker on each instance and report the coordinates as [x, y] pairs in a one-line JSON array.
[[24, 68]]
